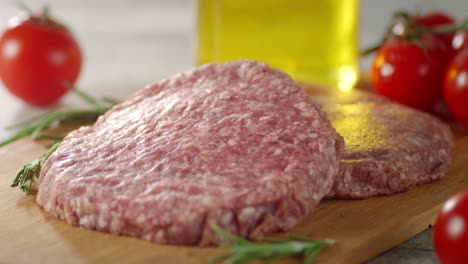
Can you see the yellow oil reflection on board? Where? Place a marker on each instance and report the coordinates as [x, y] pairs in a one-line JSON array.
[[356, 123]]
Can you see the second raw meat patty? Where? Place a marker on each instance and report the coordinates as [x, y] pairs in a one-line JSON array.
[[390, 148]]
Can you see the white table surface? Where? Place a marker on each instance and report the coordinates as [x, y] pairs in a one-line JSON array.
[[128, 44]]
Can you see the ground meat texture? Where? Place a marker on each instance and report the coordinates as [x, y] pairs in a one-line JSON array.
[[238, 145], [390, 148]]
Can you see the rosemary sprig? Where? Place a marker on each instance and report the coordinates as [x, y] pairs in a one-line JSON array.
[[242, 251], [29, 174], [35, 127]]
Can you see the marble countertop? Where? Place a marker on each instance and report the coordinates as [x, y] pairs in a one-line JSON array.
[[128, 44]]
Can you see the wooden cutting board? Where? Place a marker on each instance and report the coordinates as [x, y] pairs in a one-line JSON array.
[[362, 228]]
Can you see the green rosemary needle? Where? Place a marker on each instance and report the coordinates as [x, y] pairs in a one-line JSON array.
[[29, 174], [242, 251]]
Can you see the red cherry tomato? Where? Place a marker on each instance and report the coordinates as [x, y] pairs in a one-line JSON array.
[[456, 87], [36, 58], [434, 19], [451, 230], [405, 73]]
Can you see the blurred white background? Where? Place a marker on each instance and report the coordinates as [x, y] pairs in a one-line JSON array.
[[128, 44]]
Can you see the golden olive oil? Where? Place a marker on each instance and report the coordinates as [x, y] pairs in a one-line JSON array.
[[312, 40]]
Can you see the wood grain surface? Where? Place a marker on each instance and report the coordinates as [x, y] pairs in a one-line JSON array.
[[362, 228]]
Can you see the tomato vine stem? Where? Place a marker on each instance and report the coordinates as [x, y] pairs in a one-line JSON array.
[[405, 28]]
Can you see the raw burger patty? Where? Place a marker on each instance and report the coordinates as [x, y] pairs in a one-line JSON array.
[[389, 148], [238, 145]]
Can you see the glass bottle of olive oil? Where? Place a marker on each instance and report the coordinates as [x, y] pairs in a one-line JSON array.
[[312, 40]]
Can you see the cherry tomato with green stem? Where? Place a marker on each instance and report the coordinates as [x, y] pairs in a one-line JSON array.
[[434, 19], [38, 56], [410, 72]]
